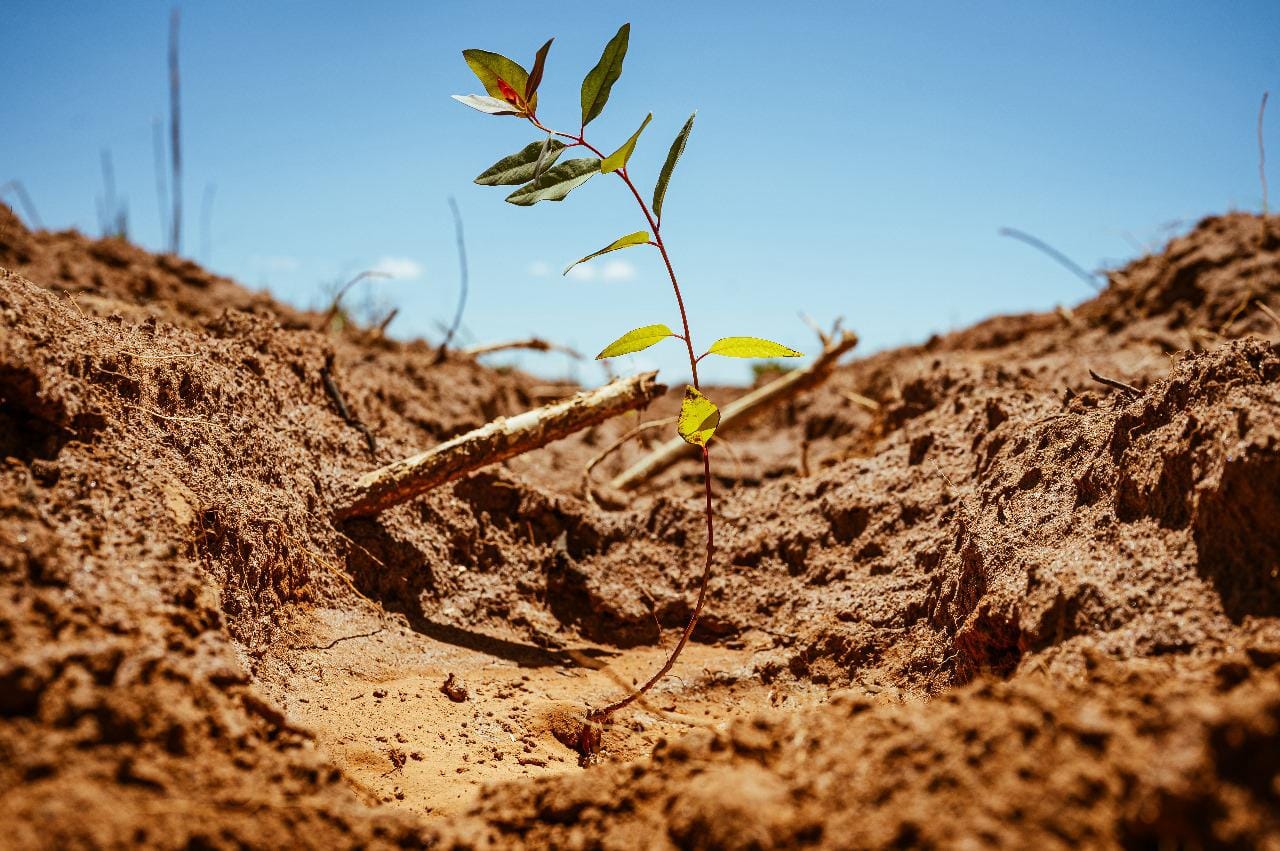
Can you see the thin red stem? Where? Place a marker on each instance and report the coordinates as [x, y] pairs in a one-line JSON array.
[[658, 242], [697, 607]]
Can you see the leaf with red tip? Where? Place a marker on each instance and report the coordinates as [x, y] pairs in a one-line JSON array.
[[491, 68]]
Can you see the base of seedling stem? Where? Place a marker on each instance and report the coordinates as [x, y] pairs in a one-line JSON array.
[[599, 716]]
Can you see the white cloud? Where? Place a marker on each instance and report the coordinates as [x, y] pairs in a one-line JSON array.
[[399, 267], [618, 270], [611, 270], [276, 263], [538, 269]]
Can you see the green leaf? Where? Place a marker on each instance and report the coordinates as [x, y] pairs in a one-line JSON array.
[[698, 417], [751, 347], [673, 157], [535, 76], [618, 158], [640, 237], [635, 341], [600, 79], [491, 106], [522, 166], [492, 67], [556, 183]]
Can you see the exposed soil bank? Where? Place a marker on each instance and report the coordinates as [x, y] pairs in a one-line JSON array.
[[1005, 604]]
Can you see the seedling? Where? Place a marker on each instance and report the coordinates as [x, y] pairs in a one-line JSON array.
[[512, 91]]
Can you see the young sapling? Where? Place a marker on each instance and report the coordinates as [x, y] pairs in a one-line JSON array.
[[512, 91]]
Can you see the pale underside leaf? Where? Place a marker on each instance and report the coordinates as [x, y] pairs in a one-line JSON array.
[[488, 105]]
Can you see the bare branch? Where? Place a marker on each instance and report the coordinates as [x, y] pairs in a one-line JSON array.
[[175, 135], [493, 443], [533, 344], [462, 281], [1117, 385], [1057, 255], [25, 200], [861, 401], [332, 312], [1262, 153], [1269, 312], [614, 447]]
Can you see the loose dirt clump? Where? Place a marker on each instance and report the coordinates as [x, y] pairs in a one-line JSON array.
[[965, 593]]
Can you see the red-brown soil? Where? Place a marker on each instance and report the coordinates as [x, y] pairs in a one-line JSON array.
[[999, 604]]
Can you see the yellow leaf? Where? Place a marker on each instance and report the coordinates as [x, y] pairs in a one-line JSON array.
[[640, 237], [751, 347], [635, 340], [618, 159], [698, 417]]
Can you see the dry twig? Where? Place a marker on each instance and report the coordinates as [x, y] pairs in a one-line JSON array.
[[1115, 384], [1269, 312], [336, 304], [533, 344], [175, 136], [860, 400], [331, 387], [614, 447], [462, 281], [33, 218], [1262, 156], [1065, 261], [490, 444]]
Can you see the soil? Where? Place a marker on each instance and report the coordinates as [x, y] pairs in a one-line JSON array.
[[966, 595]]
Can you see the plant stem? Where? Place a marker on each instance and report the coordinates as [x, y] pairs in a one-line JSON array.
[[655, 226]]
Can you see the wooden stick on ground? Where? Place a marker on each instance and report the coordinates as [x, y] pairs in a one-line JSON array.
[[741, 410], [499, 440], [533, 344]]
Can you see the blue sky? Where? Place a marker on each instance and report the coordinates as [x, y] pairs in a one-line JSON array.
[[849, 159]]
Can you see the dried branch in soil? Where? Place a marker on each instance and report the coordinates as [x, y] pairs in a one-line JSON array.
[[490, 444]]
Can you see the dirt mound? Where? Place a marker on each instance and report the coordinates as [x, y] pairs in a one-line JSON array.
[[977, 595], [1123, 756]]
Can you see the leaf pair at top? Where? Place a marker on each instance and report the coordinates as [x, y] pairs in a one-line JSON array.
[[642, 338]]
